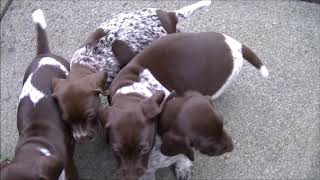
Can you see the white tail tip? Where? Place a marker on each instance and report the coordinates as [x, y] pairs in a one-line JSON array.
[[204, 3], [38, 17], [264, 71], [190, 9]]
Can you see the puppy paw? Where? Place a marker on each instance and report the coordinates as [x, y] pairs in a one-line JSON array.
[[183, 169]]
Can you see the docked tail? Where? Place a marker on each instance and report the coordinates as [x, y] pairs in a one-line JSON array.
[[189, 10], [253, 59], [41, 25]]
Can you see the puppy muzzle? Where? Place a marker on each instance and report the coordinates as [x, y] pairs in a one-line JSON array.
[[83, 136]]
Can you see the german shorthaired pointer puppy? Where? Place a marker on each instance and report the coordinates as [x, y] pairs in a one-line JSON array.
[[187, 121], [45, 145], [192, 121], [94, 65], [206, 62]]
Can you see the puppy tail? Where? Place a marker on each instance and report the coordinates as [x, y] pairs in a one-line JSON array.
[[190, 9], [41, 25], [253, 59]]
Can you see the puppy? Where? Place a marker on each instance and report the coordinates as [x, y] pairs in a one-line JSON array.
[[192, 121], [130, 126], [94, 65], [206, 62], [45, 145], [187, 122]]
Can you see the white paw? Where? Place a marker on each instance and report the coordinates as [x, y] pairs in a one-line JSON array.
[[183, 169]]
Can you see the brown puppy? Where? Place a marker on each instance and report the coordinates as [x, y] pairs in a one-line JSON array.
[[45, 146], [191, 121], [130, 127], [94, 65], [78, 98]]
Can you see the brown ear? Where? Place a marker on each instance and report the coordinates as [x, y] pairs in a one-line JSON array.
[[99, 82], [173, 144], [103, 116], [95, 36], [100, 91], [56, 83], [152, 106], [122, 52], [168, 20], [50, 167]]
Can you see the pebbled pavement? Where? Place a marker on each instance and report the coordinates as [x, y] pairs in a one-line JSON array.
[[275, 122]]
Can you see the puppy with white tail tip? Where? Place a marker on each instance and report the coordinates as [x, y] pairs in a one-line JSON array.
[[45, 145]]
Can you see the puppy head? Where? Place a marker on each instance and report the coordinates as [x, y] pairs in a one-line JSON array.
[[79, 103], [42, 168], [195, 123], [130, 128]]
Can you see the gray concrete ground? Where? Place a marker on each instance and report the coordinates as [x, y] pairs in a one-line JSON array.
[[2, 5], [274, 122]]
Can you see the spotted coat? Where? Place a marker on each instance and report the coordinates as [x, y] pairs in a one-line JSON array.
[[137, 28]]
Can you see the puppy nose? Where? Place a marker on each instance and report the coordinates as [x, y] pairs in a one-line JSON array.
[[83, 139]]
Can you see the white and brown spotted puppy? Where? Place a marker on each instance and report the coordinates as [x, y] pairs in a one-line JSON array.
[[45, 145], [94, 65]]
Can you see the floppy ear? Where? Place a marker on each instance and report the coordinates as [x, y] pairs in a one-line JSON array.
[[95, 36], [100, 91], [49, 167], [56, 83], [173, 145], [122, 52], [99, 83], [103, 114], [103, 119], [168, 20], [152, 106]]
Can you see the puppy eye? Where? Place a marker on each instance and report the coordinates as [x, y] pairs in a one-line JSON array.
[[90, 116], [144, 149]]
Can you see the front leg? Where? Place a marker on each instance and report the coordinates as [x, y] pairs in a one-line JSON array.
[[182, 164], [148, 175], [71, 171], [183, 168]]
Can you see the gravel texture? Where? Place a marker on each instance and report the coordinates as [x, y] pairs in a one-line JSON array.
[[275, 122]]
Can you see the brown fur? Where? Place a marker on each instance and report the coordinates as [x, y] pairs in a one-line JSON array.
[[40, 125], [78, 98], [191, 121], [130, 128]]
